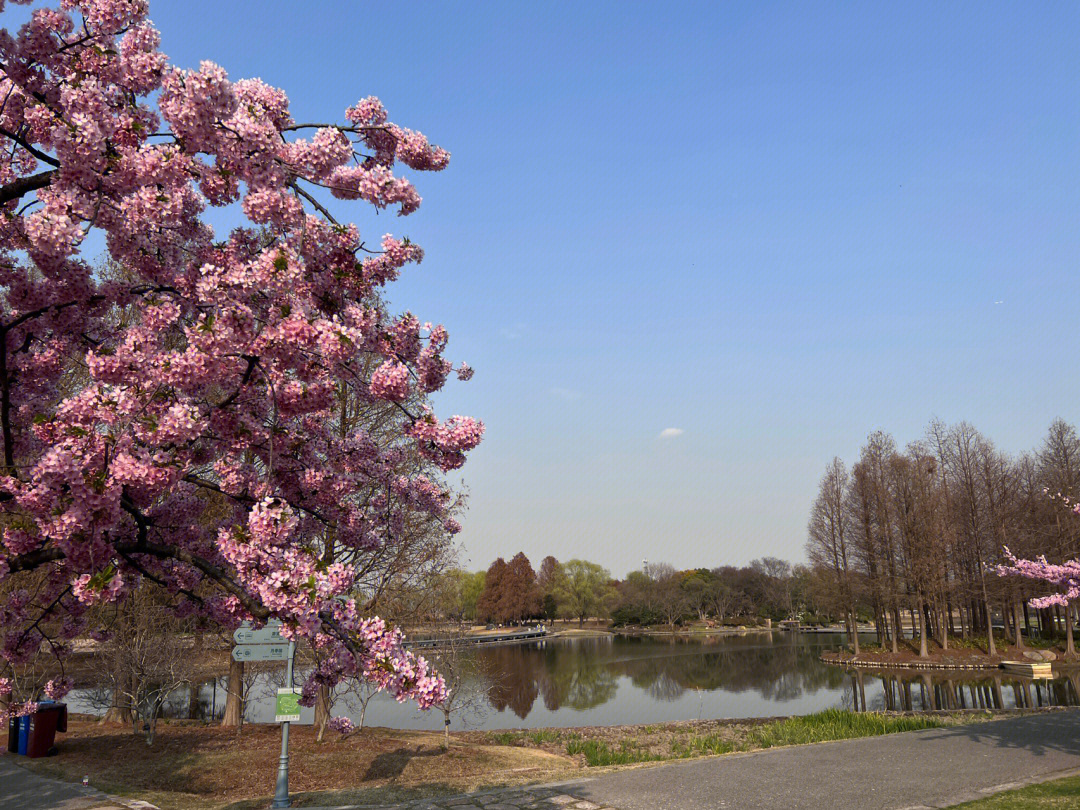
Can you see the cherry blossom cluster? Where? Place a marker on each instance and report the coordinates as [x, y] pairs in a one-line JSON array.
[[236, 419], [1065, 577]]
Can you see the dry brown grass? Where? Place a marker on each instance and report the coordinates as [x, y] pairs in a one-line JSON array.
[[192, 766]]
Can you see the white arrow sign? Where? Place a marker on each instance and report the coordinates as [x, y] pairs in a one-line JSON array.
[[261, 652], [271, 634]]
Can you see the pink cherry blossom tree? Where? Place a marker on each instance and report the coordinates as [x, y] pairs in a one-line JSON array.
[[192, 420], [1065, 577]]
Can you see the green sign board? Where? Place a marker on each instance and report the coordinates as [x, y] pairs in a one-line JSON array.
[[287, 709]]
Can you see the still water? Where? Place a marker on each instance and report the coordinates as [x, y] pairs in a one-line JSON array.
[[628, 679]]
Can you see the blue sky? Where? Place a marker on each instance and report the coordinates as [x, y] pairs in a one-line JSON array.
[[773, 227]]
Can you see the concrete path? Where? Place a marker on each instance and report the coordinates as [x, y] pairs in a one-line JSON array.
[[919, 769], [21, 789]]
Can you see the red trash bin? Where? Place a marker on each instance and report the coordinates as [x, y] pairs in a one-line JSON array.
[[44, 723]]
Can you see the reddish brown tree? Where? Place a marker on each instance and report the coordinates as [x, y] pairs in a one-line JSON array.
[[487, 605], [521, 597], [510, 591]]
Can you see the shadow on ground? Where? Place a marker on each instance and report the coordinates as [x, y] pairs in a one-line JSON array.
[[363, 796], [392, 764], [1058, 732]]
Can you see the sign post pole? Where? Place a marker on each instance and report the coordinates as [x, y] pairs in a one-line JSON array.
[[281, 795]]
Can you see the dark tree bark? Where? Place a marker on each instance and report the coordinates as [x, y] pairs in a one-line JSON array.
[[234, 702], [322, 711]]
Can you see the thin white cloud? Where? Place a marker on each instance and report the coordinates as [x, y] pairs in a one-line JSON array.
[[513, 332], [566, 393], [670, 433]]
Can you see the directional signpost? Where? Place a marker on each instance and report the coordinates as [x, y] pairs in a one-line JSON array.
[[271, 634], [266, 644], [261, 652]]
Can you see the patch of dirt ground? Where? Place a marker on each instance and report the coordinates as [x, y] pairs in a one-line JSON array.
[[193, 766]]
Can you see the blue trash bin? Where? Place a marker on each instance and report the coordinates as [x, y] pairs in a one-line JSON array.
[[24, 734]]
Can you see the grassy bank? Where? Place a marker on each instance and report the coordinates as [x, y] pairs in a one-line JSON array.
[[1056, 795], [622, 745]]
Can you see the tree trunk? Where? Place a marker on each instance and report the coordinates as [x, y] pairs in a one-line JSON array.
[[120, 709], [322, 711], [923, 652], [1016, 622], [853, 624], [193, 701], [1070, 648], [896, 626], [234, 701], [990, 648], [198, 652]]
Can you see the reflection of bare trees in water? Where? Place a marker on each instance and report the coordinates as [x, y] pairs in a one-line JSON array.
[[951, 691]]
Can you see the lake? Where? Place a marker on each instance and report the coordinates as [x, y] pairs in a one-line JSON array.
[[652, 679]]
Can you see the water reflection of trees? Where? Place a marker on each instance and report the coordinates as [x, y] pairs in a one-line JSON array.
[[512, 676], [952, 690], [583, 674], [778, 668], [569, 675]]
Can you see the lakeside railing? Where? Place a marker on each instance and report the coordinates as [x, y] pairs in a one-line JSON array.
[[534, 634]]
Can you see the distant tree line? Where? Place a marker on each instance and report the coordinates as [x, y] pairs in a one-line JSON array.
[[512, 592], [917, 534]]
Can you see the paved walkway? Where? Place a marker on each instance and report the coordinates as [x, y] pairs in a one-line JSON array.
[[21, 789], [914, 771], [536, 798], [919, 769]]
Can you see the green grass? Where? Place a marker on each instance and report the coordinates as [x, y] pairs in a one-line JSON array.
[[543, 735], [655, 742], [536, 737], [1055, 795], [703, 745], [598, 752], [835, 724]]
